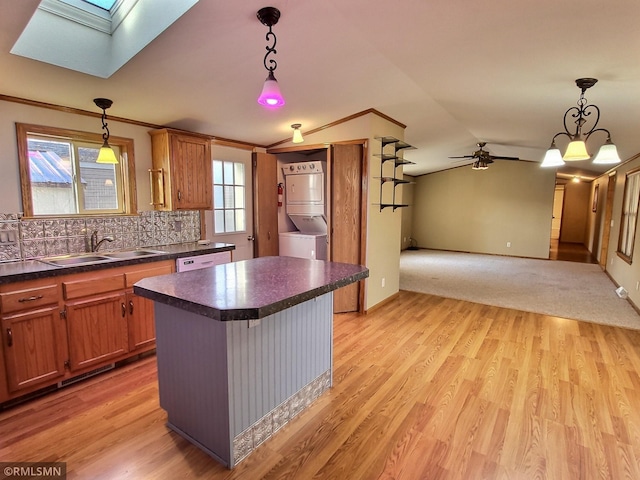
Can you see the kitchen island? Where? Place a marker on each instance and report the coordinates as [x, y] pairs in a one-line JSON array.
[[244, 347]]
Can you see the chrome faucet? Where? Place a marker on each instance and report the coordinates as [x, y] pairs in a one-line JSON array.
[[95, 244]]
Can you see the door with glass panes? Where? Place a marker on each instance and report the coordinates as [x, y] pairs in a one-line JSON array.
[[231, 220]]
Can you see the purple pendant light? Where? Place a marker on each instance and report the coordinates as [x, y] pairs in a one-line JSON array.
[[270, 96]]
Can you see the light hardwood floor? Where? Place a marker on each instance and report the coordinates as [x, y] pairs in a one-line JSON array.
[[424, 388]]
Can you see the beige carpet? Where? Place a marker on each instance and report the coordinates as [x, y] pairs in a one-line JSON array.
[[573, 290]]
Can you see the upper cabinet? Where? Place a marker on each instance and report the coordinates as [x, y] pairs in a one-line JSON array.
[[181, 176]]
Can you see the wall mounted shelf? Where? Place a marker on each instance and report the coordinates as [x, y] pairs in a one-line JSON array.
[[398, 146]]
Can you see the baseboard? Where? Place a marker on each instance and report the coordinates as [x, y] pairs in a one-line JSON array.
[[633, 305], [382, 303]]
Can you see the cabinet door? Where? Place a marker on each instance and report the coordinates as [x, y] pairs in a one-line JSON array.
[[142, 330], [97, 330], [191, 172], [33, 351]]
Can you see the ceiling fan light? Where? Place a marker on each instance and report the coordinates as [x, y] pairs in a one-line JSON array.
[[553, 158], [607, 155], [576, 150], [479, 165], [271, 95]]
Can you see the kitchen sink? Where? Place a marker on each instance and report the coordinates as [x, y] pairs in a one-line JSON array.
[[132, 253], [91, 258], [71, 260]]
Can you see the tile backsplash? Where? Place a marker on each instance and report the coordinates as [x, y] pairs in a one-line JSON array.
[[25, 239]]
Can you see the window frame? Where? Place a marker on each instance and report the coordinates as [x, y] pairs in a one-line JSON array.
[[234, 185], [126, 159], [627, 256]]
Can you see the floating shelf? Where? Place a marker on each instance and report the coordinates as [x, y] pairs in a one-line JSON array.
[[398, 161]]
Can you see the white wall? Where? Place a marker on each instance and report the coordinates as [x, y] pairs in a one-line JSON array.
[[624, 274], [480, 211]]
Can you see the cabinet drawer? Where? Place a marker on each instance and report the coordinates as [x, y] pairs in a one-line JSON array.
[[28, 298], [151, 271], [92, 286]]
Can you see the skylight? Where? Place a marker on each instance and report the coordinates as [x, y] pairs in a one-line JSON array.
[[104, 4], [96, 37]]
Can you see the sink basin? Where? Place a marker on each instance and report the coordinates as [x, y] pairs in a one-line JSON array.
[[132, 253], [69, 260]]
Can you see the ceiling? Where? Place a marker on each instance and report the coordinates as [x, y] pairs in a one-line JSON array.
[[456, 72]]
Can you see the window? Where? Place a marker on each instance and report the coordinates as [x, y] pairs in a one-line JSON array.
[[60, 176], [629, 216], [229, 214]]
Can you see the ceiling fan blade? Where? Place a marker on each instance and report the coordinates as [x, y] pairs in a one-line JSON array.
[[465, 156], [504, 158]]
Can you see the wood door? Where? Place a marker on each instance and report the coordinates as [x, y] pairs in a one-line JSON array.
[[346, 218], [33, 351], [608, 213], [140, 320], [265, 205], [97, 330], [556, 219], [191, 166]]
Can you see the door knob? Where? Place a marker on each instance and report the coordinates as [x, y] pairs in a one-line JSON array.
[[251, 238]]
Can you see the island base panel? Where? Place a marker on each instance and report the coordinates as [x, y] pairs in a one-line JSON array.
[[229, 386]]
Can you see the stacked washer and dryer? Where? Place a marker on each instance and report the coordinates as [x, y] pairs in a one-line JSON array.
[[305, 206]]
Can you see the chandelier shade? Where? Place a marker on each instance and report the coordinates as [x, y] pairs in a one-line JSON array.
[[576, 150], [271, 95], [607, 155], [553, 157]]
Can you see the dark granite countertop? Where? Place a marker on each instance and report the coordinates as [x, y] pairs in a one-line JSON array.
[[249, 289], [32, 269]]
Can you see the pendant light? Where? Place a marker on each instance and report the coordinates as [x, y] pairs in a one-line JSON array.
[[106, 154], [297, 134], [270, 95], [577, 148]]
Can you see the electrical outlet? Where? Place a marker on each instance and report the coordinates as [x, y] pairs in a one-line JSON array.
[[382, 282], [508, 244]]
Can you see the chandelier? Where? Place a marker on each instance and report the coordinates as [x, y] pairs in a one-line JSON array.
[[577, 149]]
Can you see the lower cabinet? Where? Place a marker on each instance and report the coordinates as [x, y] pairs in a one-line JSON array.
[[142, 329], [97, 330], [33, 352], [58, 328]]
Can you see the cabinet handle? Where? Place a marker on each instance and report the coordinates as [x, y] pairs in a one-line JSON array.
[[160, 194], [131, 307], [268, 235], [9, 337], [124, 310], [30, 299], [179, 195]]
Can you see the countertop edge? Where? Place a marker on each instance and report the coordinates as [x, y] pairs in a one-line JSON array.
[[252, 313], [43, 270]]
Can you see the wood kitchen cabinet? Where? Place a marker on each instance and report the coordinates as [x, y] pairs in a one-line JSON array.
[[96, 315], [181, 177], [54, 329], [34, 344], [142, 331]]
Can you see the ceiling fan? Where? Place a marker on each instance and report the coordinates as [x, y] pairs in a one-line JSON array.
[[484, 158]]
